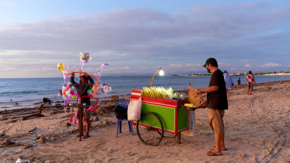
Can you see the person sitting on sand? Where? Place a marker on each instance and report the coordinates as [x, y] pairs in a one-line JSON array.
[[251, 80], [229, 81], [217, 103], [84, 89]]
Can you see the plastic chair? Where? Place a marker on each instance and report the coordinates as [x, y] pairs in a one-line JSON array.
[[124, 103]]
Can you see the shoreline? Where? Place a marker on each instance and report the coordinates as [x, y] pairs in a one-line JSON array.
[[57, 102]]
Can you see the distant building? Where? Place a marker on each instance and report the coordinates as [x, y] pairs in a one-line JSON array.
[[258, 72]]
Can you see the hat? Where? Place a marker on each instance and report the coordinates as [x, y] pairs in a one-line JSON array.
[[211, 61]]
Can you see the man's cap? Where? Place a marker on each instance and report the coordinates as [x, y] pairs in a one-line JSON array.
[[211, 61]]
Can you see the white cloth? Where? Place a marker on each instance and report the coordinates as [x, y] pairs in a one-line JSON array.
[[228, 80]]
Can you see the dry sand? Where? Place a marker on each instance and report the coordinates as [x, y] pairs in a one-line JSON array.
[[257, 130]]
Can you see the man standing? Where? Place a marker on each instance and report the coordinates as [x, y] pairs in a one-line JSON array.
[[251, 80], [217, 103], [229, 83]]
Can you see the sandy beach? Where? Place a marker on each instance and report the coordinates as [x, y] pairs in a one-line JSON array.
[[257, 130]]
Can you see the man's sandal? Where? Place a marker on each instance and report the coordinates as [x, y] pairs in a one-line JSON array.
[[213, 148], [86, 136], [210, 153]]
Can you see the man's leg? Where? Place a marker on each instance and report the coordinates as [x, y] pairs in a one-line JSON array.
[[88, 124], [215, 123], [88, 127], [251, 88], [81, 128], [217, 143], [228, 94]]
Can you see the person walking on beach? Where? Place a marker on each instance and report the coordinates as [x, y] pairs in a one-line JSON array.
[[217, 103], [250, 81], [239, 81], [229, 81], [86, 100]]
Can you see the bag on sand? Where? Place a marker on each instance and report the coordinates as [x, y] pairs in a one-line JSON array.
[[134, 109], [121, 112], [191, 124]]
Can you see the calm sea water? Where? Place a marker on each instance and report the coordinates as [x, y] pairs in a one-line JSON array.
[[32, 90]]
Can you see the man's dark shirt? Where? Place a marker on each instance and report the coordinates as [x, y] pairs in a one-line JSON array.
[[84, 90], [218, 99]]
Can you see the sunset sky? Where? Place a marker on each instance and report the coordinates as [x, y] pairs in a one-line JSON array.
[[138, 36]]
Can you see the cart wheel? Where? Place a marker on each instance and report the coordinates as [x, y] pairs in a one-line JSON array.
[[148, 127]]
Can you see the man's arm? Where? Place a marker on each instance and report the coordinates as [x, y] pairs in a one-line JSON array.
[[72, 79], [208, 89], [90, 79]]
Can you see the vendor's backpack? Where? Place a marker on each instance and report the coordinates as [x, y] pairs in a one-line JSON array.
[[121, 112]]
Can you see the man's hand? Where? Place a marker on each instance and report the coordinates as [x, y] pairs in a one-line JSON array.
[[198, 91], [203, 104]]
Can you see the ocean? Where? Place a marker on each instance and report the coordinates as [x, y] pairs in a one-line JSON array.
[[26, 91]]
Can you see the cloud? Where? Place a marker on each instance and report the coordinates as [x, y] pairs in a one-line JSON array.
[[247, 65], [123, 70], [270, 64], [141, 38]]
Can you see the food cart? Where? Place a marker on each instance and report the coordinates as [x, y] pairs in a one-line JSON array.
[[160, 115]]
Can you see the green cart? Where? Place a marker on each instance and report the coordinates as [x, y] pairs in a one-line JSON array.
[[159, 116]]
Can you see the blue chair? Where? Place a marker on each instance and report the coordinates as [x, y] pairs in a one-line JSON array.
[[123, 103]]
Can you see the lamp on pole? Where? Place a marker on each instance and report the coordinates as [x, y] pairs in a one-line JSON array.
[[161, 73]]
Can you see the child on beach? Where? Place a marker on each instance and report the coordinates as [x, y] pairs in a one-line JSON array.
[[86, 100]]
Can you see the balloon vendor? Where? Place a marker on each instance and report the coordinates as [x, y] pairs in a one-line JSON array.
[[83, 91]]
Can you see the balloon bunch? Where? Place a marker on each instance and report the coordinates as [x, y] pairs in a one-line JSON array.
[[63, 67], [84, 58]]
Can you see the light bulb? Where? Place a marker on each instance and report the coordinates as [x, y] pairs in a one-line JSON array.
[[161, 72]]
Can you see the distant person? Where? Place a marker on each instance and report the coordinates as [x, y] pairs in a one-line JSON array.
[[239, 81], [228, 81], [250, 82], [217, 103], [83, 92]]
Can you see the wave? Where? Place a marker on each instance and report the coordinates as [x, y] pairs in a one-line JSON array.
[[20, 92]]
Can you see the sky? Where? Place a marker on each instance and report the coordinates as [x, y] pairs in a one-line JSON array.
[[135, 37]]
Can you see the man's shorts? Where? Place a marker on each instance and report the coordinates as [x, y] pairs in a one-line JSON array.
[[86, 105], [250, 87], [215, 120]]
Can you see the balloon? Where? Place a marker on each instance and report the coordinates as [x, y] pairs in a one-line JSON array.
[[95, 88], [60, 66], [106, 88], [73, 96], [85, 57], [65, 89], [99, 73]]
